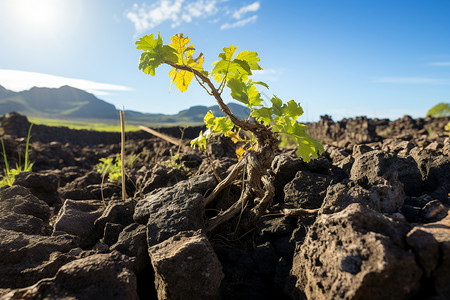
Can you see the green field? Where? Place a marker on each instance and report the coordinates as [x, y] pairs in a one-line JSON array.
[[112, 126], [103, 125]]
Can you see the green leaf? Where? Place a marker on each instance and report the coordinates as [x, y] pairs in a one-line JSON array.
[[222, 125], [148, 42], [184, 53], [228, 53], [263, 114], [201, 140], [261, 83], [155, 55], [277, 105], [439, 110], [292, 110], [244, 93], [238, 90], [251, 58], [209, 119]]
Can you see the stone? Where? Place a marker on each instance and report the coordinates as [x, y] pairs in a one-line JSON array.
[[306, 190], [158, 198], [183, 257], [78, 218], [23, 212], [431, 245], [372, 167], [25, 259], [132, 242], [43, 185], [382, 197], [158, 177], [100, 276], [435, 171], [356, 254]]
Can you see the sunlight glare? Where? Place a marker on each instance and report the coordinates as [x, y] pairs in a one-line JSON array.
[[40, 16]]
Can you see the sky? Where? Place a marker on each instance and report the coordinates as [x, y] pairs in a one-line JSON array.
[[343, 58]]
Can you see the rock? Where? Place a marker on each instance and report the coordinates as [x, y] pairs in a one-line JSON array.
[[43, 185], [371, 167], [306, 190], [111, 233], [272, 229], [284, 168], [118, 214], [191, 160], [357, 130], [100, 276], [78, 218], [174, 209], [431, 245], [25, 259], [15, 124], [221, 166], [435, 171], [220, 146], [22, 212], [383, 197], [132, 242], [356, 254], [432, 209], [159, 176], [359, 150], [188, 252]]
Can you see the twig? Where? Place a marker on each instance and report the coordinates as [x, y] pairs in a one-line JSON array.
[[163, 136], [122, 150]]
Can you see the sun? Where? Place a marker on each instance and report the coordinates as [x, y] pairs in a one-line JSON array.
[[39, 17]]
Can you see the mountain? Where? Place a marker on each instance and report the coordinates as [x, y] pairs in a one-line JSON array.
[[72, 103], [64, 102]]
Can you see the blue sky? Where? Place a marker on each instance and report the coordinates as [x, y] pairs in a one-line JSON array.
[[343, 58]]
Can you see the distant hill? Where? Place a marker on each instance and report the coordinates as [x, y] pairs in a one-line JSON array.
[[72, 103]]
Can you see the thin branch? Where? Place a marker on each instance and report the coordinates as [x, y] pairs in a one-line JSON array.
[[201, 84]]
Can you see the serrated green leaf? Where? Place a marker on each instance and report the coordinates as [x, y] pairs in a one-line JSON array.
[[148, 42], [261, 83], [306, 145], [251, 58], [263, 114], [292, 109], [209, 119], [222, 125], [244, 93], [228, 53], [277, 105], [201, 140], [238, 90], [184, 53]]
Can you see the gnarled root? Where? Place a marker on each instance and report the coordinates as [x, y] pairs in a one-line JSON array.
[[258, 186]]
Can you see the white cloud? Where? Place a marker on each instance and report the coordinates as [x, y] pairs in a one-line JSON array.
[[268, 74], [413, 80], [239, 23], [146, 17], [440, 64], [21, 80], [245, 9]]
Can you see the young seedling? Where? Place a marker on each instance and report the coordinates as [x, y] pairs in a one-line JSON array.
[[10, 174], [263, 126]]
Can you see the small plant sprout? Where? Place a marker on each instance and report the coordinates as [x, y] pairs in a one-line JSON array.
[[234, 70], [10, 174]]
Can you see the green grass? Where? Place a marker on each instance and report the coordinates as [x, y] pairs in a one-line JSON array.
[[95, 125], [104, 125]]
